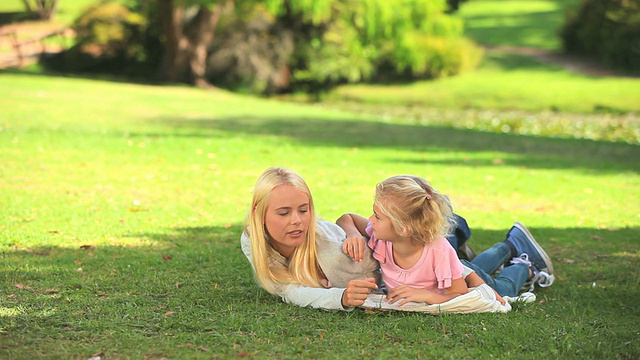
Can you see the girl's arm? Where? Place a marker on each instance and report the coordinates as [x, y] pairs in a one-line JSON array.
[[407, 294], [354, 226], [474, 280]]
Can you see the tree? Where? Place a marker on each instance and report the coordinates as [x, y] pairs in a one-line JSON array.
[[187, 38], [42, 9], [353, 37]]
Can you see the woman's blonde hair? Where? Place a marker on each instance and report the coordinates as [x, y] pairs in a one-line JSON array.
[[415, 208], [303, 265]]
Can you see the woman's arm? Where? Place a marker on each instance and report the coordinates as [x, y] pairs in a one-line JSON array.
[[329, 299]]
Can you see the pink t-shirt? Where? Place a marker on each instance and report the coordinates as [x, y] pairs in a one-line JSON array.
[[437, 267]]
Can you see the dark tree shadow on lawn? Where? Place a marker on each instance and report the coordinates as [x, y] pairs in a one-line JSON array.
[[528, 151], [520, 26]]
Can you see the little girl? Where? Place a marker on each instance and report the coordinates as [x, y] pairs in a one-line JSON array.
[[407, 234]]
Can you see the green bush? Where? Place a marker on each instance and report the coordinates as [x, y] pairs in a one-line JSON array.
[[433, 57], [606, 30], [337, 56], [378, 41]]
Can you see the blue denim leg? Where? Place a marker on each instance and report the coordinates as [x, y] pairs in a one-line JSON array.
[[508, 282], [491, 259], [511, 279], [461, 234]]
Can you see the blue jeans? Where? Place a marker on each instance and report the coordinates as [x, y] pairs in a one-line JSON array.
[[510, 280], [461, 233]]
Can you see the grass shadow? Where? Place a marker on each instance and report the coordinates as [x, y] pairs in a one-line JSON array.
[[530, 29], [512, 62], [12, 17], [528, 151]]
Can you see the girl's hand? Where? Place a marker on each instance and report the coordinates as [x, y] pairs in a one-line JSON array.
[[354, 247], [407, 293], [499, 298], [410, 294], [357, 291]]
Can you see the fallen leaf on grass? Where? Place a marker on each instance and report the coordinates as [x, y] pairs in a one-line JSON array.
[[185, 345], [166, 257], [97, 356], [20, 286], [202, 348], [87, 247], [169, 313], [243, 353]]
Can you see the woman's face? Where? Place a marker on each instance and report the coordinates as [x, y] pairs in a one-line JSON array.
[[287, 218]]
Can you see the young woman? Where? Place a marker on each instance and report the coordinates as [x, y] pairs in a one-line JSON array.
[[297, 256]]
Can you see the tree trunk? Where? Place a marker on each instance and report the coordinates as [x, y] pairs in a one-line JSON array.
[[186, 45], [42, 9]]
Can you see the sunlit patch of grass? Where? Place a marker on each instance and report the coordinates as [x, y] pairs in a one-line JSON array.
[[13, 311]]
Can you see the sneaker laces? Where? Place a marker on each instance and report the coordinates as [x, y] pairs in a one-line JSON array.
[[522, 259], [542, 278]]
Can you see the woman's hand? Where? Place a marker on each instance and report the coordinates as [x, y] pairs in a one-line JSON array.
[[354, 247], [357, 291]]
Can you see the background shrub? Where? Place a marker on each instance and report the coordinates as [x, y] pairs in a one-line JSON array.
[[606, 30], [252, 53], [110, 38]]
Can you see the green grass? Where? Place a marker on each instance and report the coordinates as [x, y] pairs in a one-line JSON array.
[[122, 207], [531, 92], [516, 23], [529, 86]]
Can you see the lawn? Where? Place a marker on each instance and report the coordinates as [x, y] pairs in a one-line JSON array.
[[123, 205], [122, 208], [516, 23]]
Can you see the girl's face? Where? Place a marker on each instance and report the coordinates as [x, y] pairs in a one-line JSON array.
[[287, 218], [382, 226]]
